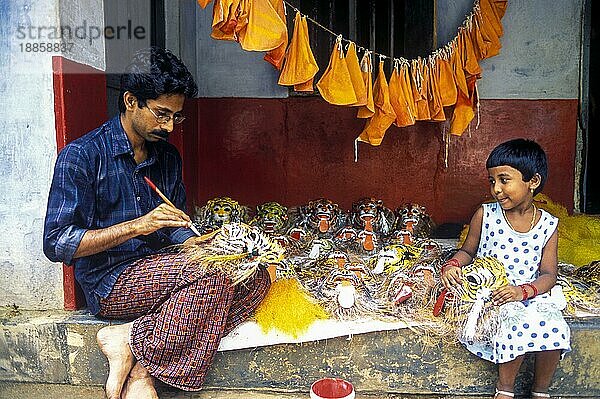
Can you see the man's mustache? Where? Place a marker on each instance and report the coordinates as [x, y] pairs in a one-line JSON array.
[[161, 133]]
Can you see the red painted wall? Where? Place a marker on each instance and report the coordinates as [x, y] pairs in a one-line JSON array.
[[296, 149]]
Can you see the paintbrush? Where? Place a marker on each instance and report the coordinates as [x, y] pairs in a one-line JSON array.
[[166, 200]]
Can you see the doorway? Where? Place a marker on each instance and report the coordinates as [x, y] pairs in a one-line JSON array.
[[590, 198], [131, 25]]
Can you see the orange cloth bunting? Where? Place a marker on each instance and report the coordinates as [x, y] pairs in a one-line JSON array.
[[384, 113], [418, 89], [300, 66], [366, 67], [335, 85], [265, 30], [360, 91]]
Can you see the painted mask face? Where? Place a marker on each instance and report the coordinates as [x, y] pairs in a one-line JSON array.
[[415, 219], [217, 212], [271, 217]]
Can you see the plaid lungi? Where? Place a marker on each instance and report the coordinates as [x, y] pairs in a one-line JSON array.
[[180, 314]]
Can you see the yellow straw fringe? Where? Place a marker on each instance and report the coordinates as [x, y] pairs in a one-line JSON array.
[[288, 308]]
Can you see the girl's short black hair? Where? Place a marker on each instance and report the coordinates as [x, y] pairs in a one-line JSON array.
[[524, 155], [153, 72]]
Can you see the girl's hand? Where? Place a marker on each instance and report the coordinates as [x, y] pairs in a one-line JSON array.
[[508, 293], [452, 276]]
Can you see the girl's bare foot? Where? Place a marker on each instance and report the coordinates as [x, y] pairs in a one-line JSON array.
[[114, 343], [140, 384]]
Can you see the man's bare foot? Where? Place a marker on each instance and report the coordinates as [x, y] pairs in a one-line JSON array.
[[114, 343], [139, 385]]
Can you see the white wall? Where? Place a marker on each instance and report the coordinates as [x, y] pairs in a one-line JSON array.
[[28, 141], [541, 48]]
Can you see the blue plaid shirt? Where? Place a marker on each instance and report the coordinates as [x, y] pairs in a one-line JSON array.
[[97, 184]]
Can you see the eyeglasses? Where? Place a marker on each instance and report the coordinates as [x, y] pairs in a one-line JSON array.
[[162, 119]]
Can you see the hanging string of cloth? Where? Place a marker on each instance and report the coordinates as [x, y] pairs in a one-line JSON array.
[[439, 87]]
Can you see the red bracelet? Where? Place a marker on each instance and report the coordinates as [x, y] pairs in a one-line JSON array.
[[533, 288], [524, 291], [451, 262]]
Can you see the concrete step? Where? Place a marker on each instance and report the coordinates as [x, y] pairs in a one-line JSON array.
[[61, 391], [59, 349]]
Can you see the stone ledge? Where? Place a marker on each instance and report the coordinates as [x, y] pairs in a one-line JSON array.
[[60, 348], [62, 391]]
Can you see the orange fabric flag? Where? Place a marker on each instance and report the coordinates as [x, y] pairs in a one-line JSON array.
[[356, 76], [243, 15], [457, 69], [463, 110], [203, 3], [446, 82], [436, 109], [470, 62], [275, 56], [488, 34], [366, 67], [420, 75], [225, 19], [407, 89], [265, 29], [494, 10], [300, 66], [398, 100], [480, 45], [384, 116], [335, 85]]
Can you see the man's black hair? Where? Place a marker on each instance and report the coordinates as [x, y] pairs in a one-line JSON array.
[[526, 156], [153, 72]]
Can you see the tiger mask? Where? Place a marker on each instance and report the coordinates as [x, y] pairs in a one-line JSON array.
[[219, 211], [415, 219], [271, 218], [473, 310], [321, 216], [373, 220]]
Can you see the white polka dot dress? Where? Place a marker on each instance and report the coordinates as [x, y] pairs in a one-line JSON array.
[[529, 326]]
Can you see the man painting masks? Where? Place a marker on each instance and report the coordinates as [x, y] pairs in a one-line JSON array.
[[106, 221]]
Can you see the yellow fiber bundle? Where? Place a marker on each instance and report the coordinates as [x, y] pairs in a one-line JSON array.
[[288, 308], [556, 209], [578, 235]]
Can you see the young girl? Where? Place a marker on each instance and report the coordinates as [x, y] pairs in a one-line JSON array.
[[524, 238]]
